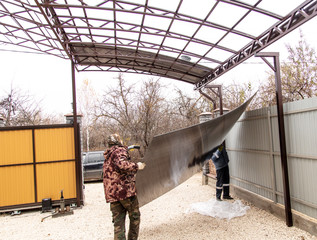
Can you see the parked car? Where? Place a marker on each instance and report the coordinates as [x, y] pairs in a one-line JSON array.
[[92, 165], [93, 162]]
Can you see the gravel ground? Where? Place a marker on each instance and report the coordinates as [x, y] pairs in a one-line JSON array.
[[165, 218]]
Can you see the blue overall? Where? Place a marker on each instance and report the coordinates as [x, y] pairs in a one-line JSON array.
[[220, 159]]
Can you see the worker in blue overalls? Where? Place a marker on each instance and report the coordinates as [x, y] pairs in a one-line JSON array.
[[220, 159]]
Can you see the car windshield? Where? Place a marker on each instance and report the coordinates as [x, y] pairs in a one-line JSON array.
[[94, 157]]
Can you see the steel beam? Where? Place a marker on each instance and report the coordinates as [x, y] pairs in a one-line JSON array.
[[76, 139]]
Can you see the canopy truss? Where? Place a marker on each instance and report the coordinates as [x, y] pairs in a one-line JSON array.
[[194, 43]]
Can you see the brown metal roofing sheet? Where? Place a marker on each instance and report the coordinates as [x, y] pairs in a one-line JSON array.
[[97, 54]]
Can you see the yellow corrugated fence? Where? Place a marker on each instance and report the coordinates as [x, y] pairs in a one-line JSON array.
[[36, 164]]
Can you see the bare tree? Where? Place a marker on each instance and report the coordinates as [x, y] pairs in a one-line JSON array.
[[18, 109], [236, 94], [189, 106], [117, 107], [140, 114], [98, 132], [8, 108], [86, 102], [131, 113], [150, 106], [298, 75]]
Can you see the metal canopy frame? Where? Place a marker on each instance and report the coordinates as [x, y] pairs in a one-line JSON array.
[[195, 44], [142, 37]]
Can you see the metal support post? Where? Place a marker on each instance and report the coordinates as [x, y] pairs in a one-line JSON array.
[[281, 128], [76, 142], [219, 94]]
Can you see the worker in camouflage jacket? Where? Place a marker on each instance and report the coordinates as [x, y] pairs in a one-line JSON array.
[[119, 174]]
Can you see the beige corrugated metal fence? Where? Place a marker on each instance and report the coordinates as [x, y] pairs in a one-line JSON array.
[[255, 165]]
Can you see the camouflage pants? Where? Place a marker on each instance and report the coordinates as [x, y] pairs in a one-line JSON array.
[[119, 210]]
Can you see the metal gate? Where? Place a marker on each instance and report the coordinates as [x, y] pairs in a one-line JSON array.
[[38, 162]]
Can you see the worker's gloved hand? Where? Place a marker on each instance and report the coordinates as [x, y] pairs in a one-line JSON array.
[[141, 165]]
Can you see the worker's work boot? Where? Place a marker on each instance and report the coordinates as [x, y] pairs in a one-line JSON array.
[[227, 197]]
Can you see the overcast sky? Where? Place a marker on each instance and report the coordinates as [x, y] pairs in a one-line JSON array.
[[49, 78]]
